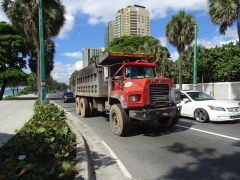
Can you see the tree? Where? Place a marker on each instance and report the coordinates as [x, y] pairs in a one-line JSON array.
[[132, 42], [12, 53], [188, 63], [225, 13], [72, 80], [49, 51], [24, 17], [20, 80], [92, 59], [180, 32]]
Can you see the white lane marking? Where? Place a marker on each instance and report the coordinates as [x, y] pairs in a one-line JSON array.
[[120, 164], [229, 137]]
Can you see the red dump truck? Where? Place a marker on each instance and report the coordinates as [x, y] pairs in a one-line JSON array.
[[125, 86]]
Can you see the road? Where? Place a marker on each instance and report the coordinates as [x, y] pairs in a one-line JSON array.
[[190, 150]]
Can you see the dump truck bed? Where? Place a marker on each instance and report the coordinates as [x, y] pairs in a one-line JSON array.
[[110, 58]]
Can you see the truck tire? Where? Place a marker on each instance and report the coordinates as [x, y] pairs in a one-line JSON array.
[[169, 121], [119, 120], [90, 108], [78, 106], [84, 107]]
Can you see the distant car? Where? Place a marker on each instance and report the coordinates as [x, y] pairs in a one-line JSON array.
[[68, 97], [204, 108]]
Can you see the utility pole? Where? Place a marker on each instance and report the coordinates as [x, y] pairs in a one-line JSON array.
[[42, 64], [195, 60]]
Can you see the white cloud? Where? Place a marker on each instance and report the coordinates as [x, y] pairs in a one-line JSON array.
[[174, 56], [3, 17], [163, 41], [230, 36], [73, 55], [62, 72], [104, 11]]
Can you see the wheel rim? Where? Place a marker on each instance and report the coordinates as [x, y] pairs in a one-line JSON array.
[[200, 115], [115, 121]]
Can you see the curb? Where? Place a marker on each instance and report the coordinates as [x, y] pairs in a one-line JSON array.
[[82, 159], [82, 165]]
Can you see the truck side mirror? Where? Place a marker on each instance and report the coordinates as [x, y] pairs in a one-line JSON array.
[[105, 73], [119, 77]]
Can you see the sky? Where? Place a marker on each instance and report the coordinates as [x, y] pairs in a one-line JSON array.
[[86, 20]]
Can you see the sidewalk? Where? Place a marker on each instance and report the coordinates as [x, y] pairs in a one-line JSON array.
[[14, 113]]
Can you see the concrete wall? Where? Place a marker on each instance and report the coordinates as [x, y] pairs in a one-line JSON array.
[[219, 90]]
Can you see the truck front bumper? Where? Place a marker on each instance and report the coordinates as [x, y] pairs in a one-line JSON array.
[[153, 114]]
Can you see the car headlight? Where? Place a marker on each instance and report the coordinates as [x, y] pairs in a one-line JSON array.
[[133, 98], [216, 108]]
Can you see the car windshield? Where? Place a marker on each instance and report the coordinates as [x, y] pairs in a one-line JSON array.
[[139, 72], [199, 96], [68, 94]]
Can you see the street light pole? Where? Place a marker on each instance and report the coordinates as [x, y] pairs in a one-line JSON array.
[[42, 64], [195, 60]]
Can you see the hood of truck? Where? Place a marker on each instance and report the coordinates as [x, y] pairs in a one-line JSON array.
[[149, 92]]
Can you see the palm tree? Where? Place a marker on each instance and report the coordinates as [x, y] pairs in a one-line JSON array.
[[225, 13], [154, 46], [24, 17], [180, 32], [49, 51]]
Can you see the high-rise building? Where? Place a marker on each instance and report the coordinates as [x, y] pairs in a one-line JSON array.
[[131, 21], [108, 33], [87, 53]]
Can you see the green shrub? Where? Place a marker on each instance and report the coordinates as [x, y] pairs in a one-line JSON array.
[[22, 92], [48, 144]]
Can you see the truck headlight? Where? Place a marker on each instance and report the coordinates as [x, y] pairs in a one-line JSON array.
[[177, 95], [133, 98]]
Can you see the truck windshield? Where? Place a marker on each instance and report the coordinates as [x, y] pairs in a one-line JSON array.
[[139, 72]]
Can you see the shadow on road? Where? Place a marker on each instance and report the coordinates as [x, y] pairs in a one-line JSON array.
[[206, 163]]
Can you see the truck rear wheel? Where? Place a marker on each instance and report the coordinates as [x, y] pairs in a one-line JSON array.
[[78, 105], [119, 121], [169, 121], [90, 108], [84, 107]]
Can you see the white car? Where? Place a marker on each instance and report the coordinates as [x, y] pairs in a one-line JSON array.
[[204, 108]]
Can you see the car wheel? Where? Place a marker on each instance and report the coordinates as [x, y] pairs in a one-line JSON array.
[[201, 115]]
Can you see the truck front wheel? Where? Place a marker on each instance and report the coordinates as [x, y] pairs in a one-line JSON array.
[[84, 107], [78, 105], [169, 121], [119, 120]]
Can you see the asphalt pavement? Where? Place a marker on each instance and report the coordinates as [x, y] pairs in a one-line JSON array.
[[16, 112]]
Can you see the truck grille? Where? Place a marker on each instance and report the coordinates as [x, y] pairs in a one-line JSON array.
[[159, 94]]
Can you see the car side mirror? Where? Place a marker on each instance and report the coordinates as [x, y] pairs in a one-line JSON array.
[[186, 99]]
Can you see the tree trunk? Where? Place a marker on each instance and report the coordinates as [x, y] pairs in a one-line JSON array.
[[180, 70], [4, 84]]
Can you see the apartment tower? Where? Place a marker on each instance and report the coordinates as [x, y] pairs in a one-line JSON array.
[[131, 21], [87, 53], [108, 33]]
